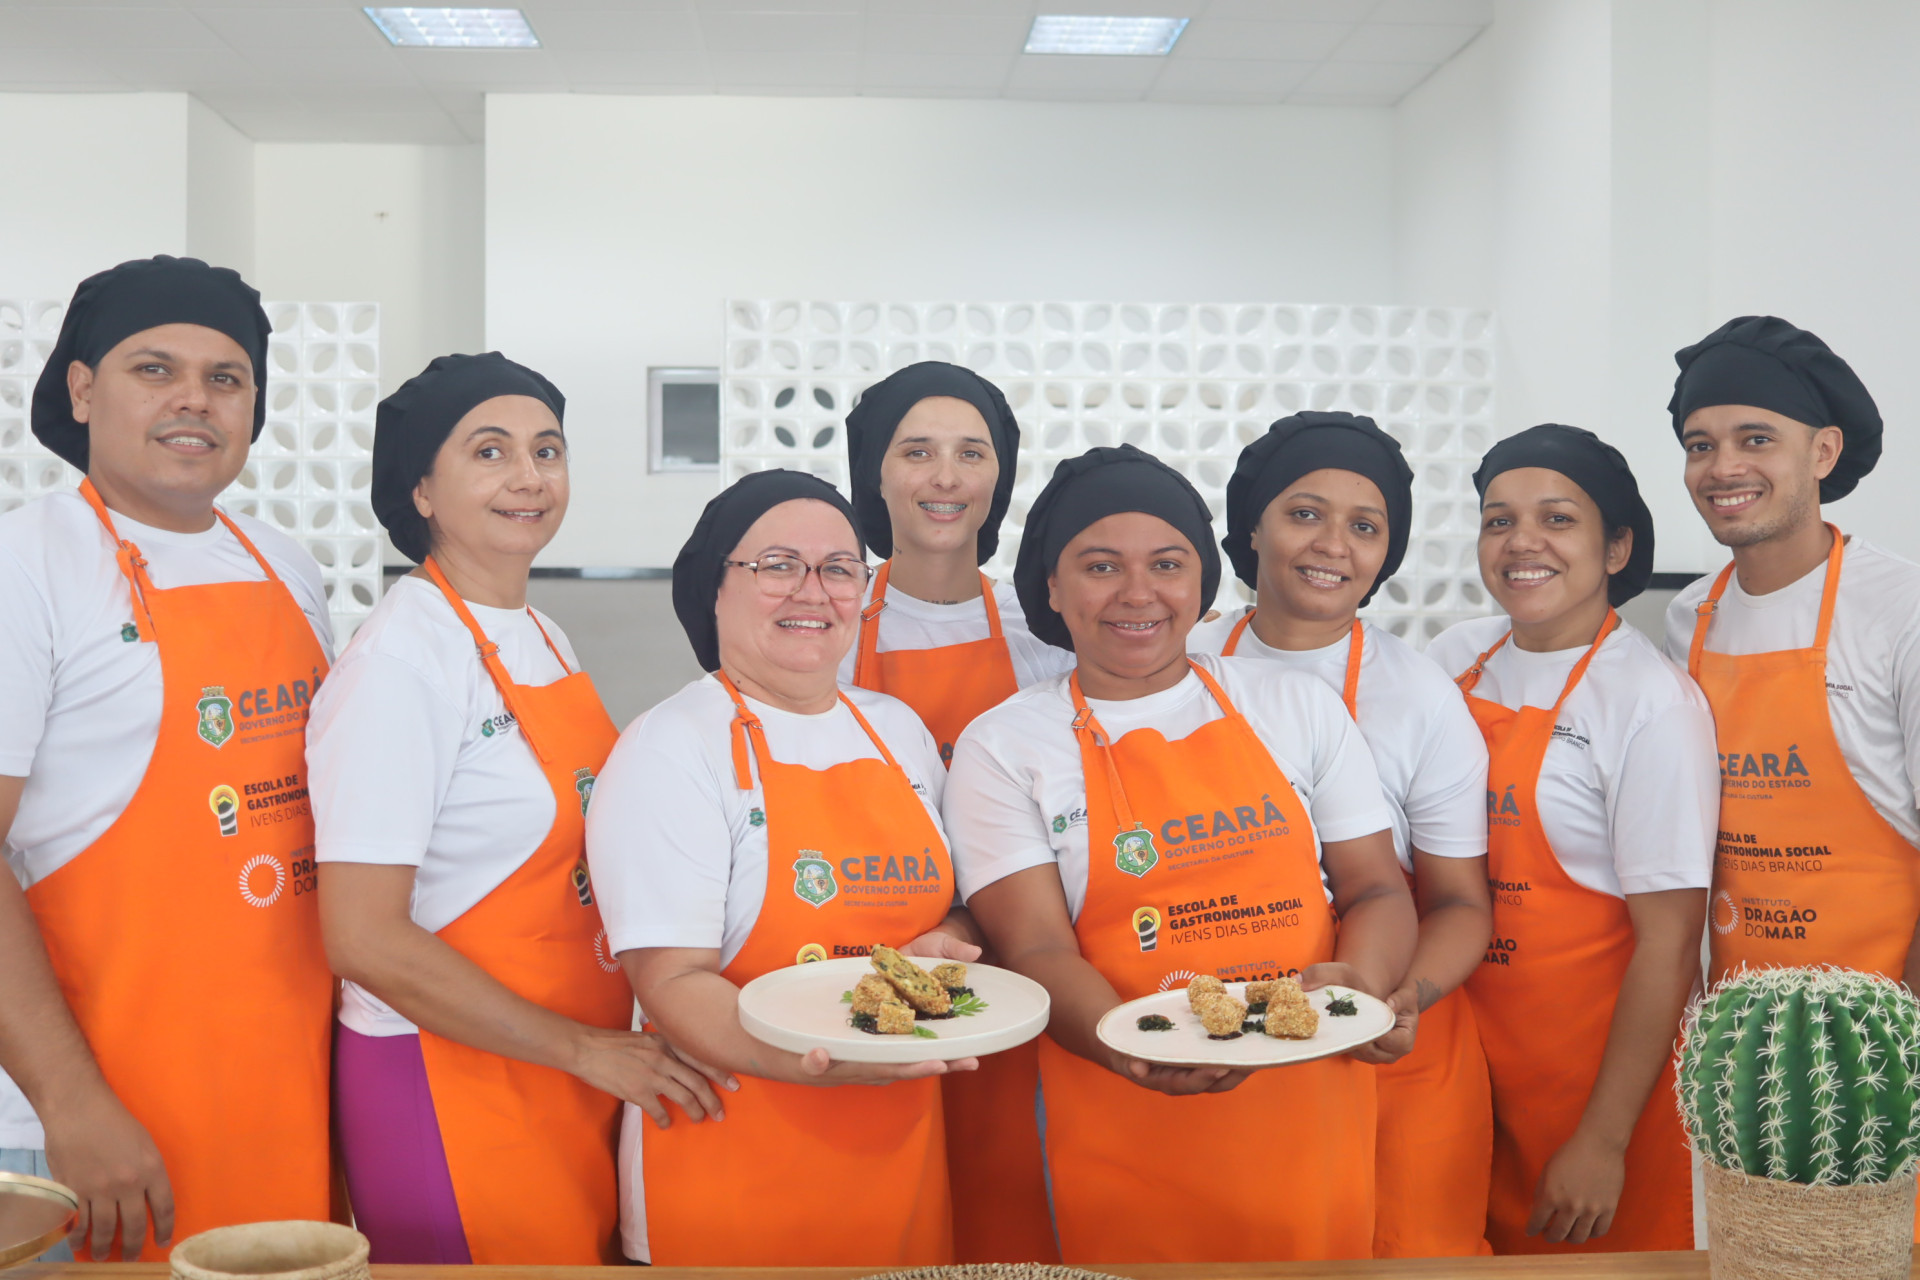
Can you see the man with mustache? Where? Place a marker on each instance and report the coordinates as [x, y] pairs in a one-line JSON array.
[[1808, 648], [167, 1003]]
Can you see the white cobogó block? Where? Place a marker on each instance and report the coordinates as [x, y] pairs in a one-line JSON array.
[[1192, 383], [308, 475]]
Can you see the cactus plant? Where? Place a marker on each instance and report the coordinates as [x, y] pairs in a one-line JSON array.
[[1807, 1075]]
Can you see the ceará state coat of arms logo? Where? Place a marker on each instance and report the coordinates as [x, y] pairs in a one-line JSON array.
[[813, 879], [1133, 851], [216, 715], [583, 783]]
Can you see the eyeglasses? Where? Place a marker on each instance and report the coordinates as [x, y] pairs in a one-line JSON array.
[[842, 578]]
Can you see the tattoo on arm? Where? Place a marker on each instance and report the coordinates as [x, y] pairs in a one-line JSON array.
[[1425, 993]]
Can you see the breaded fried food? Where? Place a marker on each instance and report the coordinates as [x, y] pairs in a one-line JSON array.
[[950, 974], [1221, 1015], [1204, 985], [1259, 992], [893, 1019], [915, 985], [1289, 1014], [871, 992]]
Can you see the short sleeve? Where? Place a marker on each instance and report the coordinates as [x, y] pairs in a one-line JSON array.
[[1347, 801], [26, 667], [381, 749], [1446, 803], [659, 846], [1664, 808], [993, 824]]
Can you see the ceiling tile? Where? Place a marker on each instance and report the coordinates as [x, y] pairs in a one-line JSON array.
[[1475, 12], [601, 70], [182, 70], [257, 28], [786, 33], [1124, 8], [104, 28], [1240, 78], [778, 6], [1278, 41], [765, 70], [1342, 99], [1393, 78], [433, 128], [1002, 34], [29, 69], [579, 30], [537, 10], [1293, 10], [1022, 9], [935, 72], [485, 68], [1063, 75], [331, 66], [1405, 42]]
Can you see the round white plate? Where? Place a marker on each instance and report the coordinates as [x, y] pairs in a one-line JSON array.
[[1187, 1044], [799, 1008]]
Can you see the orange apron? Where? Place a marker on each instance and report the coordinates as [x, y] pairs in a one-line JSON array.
[[530, 1149], [994, 1164], [1279, 1168], [187, 937], [1435, 1141], [800, 1175], [1544, 998], [1788, 801]]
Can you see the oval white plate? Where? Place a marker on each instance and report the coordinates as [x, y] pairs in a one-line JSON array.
[[799, 1008], [1187, 1044]]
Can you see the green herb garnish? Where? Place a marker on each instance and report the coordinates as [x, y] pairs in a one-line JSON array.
[[969, 1004], [866, 1022], [925, 1033], [1342, 1006], [1154, 1022], [846, 997]]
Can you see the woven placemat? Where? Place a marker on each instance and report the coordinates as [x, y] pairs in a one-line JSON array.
[[996, 1271]]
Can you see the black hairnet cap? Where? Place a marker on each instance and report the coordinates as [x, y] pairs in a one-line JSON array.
[[1099, 483], [1304, 443], [871, 426], [1602, 472], [112, 306], [726, 519], [1770, 364], [411, 424]]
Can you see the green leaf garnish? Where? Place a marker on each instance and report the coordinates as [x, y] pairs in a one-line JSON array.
[[925, 1033], [968, 1005], [846, 997]]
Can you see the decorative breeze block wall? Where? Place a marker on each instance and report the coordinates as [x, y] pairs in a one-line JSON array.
[[1192, 383], [308, 475]]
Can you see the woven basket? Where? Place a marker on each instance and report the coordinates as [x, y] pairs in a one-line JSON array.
[[1761, 1229], [273, 1251], [996, 1271]]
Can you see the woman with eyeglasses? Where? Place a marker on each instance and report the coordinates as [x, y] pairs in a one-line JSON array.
[[760, 817]]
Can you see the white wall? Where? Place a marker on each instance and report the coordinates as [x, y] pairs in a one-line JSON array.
[[92, 180], [219, 190], [397, 225], [616, 227]]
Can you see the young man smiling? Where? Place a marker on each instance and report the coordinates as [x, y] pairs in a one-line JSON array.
[[1808, 647], [166, 1004]]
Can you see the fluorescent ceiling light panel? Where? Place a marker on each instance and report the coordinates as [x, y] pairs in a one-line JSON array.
[[1091, 33], [455, 28]]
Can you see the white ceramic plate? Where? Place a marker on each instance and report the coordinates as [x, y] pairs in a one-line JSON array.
[[799, 1008], [1187, 1044]]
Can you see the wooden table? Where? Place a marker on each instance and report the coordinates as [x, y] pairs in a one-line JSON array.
[[1616, 1266]]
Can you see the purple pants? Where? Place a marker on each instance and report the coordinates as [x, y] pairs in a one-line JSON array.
[[396, 1167]]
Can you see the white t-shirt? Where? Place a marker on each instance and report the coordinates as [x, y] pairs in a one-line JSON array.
[[677, 851], [1017, 797], [909, 623], [1873, 661], [1431, 757], [80, 705], [414, 760], [1629, 791]]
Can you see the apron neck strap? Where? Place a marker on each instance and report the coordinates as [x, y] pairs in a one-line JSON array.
[[1470, 678], [747, 726], [489, 651], [1239, 629], [1830, 591], [1091, 732], [867, 649], [1356, 643], [133, 565]]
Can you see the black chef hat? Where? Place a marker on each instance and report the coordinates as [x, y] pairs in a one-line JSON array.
[[1099, 483], [1599, 469], [411, 424], [145, 293], [698, 567], [870, 429], [1767, 363], [1308, 442]]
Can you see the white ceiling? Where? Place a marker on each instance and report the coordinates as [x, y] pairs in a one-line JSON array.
[[310, 70]]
